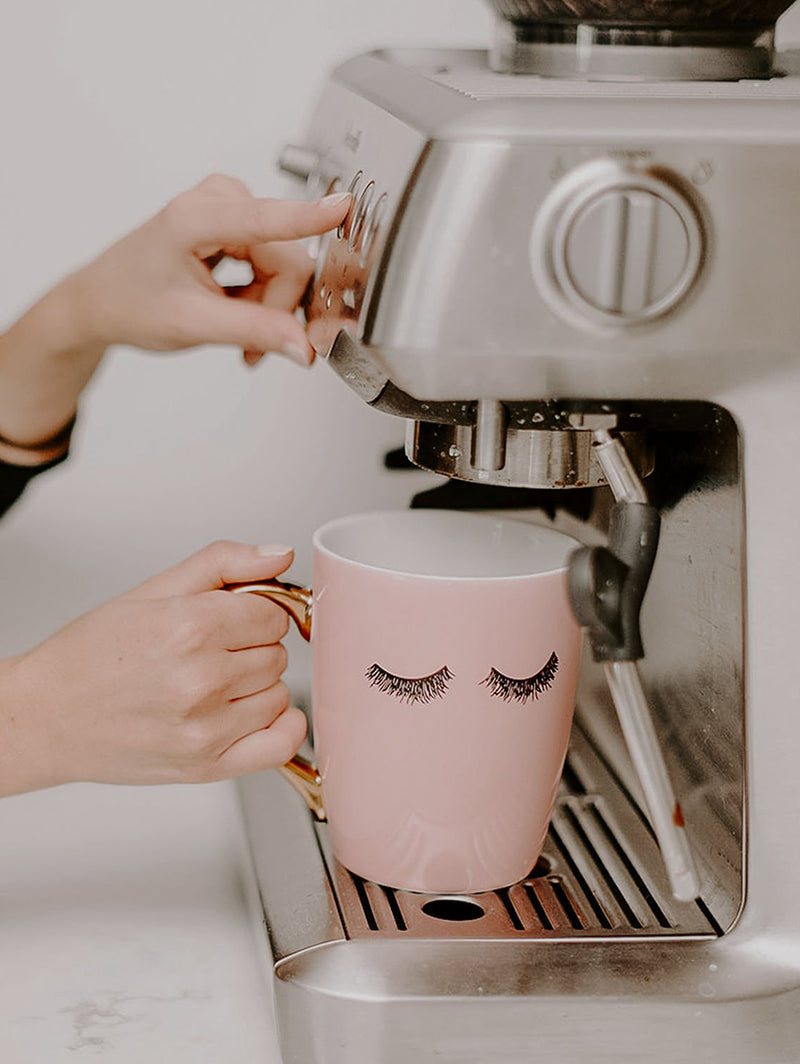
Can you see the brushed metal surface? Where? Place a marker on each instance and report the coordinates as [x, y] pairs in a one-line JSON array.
[[447, 307]]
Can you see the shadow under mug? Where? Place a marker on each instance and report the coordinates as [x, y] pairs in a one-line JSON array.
[[445, 658]]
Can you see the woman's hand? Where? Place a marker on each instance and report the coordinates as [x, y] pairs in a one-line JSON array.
[[155, 288], [174, 681]]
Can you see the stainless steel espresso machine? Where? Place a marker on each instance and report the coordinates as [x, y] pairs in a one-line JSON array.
[[588, 233]]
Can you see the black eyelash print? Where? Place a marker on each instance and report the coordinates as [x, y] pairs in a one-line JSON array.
[[509, 689], [411, 690]]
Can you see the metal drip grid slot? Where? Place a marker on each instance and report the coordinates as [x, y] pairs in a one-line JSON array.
[[599, 876]]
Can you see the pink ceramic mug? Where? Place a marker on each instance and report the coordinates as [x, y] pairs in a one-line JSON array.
[[445, 660]]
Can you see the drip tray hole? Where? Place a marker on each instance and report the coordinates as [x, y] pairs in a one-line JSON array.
[[454, 909]]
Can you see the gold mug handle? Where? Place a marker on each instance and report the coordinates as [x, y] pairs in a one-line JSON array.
[[297, 602]]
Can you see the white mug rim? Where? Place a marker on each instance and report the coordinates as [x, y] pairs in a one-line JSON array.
[[403, 573]]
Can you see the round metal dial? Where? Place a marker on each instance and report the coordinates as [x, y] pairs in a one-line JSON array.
[[615, 247]]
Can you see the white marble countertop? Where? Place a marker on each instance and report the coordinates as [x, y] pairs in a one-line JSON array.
[[125, 934]]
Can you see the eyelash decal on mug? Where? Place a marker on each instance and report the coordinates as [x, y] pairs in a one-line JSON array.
[[509, 689], [408, 689]]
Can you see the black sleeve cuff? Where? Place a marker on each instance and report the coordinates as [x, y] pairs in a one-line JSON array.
[[15, 478]]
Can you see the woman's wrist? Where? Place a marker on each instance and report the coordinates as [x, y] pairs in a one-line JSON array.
[[44, 452], [77, 312], [28, 751], [63, 322], [46, 359]]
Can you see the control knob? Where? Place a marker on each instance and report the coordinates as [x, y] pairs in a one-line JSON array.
[[616, 247]]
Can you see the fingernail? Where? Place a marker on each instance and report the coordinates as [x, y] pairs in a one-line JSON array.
[[275, 550], [296, 353], [337, 199]]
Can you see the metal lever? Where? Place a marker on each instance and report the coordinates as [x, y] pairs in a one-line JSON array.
[[606, 586]]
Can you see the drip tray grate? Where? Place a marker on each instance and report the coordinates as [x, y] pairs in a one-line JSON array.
[[600, 875]]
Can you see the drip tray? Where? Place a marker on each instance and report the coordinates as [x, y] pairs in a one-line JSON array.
[[588, 958], [600, 876]]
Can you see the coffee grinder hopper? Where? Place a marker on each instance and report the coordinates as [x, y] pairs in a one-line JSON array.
[[667, 39]]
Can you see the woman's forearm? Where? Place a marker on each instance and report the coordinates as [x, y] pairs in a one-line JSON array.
[[46, 360]]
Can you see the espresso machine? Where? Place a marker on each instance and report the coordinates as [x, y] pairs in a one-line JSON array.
[[588, 234]]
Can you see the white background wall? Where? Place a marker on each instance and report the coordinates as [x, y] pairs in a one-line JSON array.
[[109, 109]]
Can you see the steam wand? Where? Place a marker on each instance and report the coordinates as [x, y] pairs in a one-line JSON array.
[[606, 586]]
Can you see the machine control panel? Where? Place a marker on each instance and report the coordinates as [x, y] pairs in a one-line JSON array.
[[363, 221], [344, 263], [615, 247]]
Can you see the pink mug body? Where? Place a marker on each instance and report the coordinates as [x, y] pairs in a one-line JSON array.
[[445, 662]]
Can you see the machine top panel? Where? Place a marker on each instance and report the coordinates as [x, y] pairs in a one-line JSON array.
[[453, 94]]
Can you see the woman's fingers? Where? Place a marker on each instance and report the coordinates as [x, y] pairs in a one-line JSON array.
[[206, 221], [251, 326], [223, 185], [220, 563], [243, 621], [255, 711], [281, 273], [285, 269], [263, 748], [253, 670]]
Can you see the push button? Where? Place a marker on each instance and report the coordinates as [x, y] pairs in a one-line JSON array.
[[343, 230], [359, 216]]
